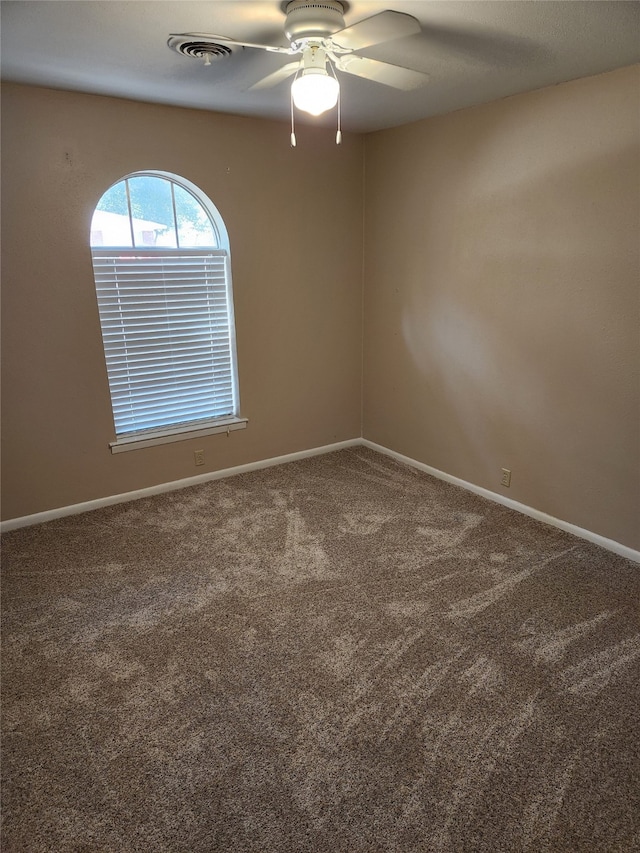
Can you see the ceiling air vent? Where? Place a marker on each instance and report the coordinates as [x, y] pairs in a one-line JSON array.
[[203, 50]]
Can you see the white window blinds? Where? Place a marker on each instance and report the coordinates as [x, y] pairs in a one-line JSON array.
[[167, 327]]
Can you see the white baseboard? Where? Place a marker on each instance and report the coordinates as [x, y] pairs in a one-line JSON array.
[[609, 544], [75, 509]]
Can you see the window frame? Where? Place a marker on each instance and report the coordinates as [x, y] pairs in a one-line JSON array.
[[162, 434]]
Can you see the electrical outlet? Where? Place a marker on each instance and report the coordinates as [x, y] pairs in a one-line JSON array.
[[198, 457], [506, 477]]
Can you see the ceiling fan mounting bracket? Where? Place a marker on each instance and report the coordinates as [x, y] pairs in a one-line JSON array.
[[307, 19]]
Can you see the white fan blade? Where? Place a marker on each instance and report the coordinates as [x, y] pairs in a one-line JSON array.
[[277, 76], [384, 26], [214, 39], [381, 72]]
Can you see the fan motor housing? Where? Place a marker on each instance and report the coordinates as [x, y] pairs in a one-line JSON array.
[[308, 19]]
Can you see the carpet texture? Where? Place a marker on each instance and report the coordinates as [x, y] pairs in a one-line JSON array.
[[337, 654]]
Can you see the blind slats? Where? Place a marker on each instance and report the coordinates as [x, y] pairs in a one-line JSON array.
[[151, 308], [167, 336], [191, 408], [203, 384], [160, 366], [162, 355], [163, 326]]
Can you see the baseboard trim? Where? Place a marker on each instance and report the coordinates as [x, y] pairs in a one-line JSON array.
[[76, 509], [602, 541]]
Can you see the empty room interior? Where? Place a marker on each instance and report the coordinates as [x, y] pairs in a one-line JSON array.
[[377, 588]]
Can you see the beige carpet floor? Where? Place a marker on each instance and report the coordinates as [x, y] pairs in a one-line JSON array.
[[338, 654]]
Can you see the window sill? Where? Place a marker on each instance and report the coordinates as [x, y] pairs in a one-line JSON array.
[[182, 433]]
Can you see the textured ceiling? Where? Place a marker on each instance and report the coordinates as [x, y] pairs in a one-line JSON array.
[[473, 51]]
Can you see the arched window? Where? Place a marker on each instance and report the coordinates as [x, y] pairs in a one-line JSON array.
[[162, 270]]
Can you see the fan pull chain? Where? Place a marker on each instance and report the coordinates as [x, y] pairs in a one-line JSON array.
[[335, 76], [293, 130]]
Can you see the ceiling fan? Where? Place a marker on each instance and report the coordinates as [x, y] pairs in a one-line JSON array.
[[317, 35]]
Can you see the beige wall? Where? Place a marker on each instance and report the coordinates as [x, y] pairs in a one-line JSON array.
[[501, 293], [295, 222], [501, 299]]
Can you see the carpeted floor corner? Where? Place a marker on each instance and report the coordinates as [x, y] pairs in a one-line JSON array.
[[338, 655]]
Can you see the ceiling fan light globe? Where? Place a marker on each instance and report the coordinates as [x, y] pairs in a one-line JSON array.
[[315, 92]]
